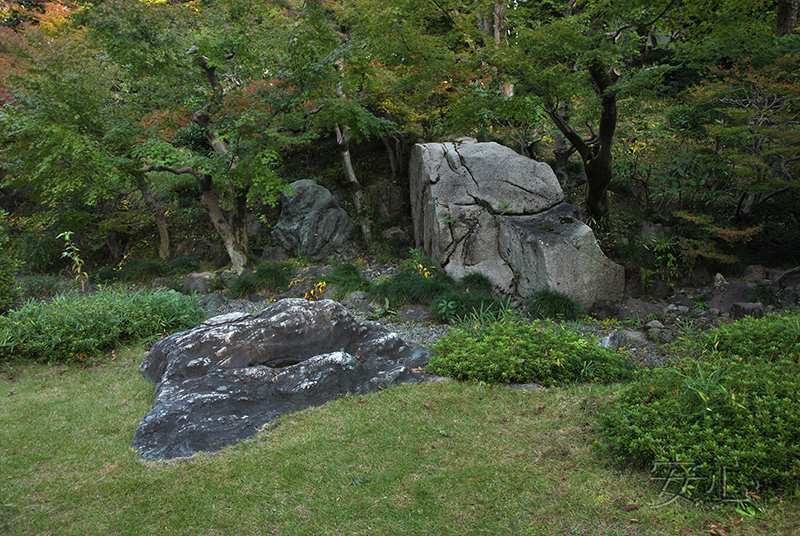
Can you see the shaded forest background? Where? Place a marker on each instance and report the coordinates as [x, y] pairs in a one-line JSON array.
[[141, 127]]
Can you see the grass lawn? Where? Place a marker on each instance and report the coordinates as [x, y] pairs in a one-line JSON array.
[[442, 458]]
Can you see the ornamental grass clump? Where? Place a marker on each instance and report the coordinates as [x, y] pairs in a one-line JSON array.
[[73, 326], [349, 277], [467, 307], [141, 270], [413, 286], [551, 304], [270, 277], [40, 286], [273, 276], [730, 413], [514, 351], [239, 288]]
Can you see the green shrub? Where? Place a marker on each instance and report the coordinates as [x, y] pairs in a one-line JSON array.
[[551, 304], [412, 286], [520, 352], [763, 293], [476, 282], [8, 285], [73, 326], [41, 286], [349, 277], [104, 274], [455, 305], [182, 265], [729, 410], [273, 276], [241, 287], [139, 270]]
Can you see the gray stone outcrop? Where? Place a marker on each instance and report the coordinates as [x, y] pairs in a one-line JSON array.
[[223, 380], [313, 224], [481, 207]]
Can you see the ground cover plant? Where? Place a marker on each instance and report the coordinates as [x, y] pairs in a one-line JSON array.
[[269, 276], [74, 326], [412, 286], [144, 270], [551, 304], [515, 351], [40, 286], [467, 300], [458, 306], [728, 414], [446, 458], [348, 277]]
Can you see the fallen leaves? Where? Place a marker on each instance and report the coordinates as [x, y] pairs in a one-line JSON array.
[[716, 530]]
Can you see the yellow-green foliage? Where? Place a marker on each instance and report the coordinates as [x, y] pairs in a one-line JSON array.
[[73, 326], [520, 352], [8, 289], [730, 411]]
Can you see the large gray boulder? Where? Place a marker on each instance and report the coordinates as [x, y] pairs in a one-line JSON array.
[[481, 207], [556, 250], [223, 380], [313, 224]]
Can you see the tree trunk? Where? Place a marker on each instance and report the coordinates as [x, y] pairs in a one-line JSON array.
[[787, 17], [396, 155], [392, 157], [562, 152], [596, 153], [232, 229], [234, 239], [343, 141], [159, 213]]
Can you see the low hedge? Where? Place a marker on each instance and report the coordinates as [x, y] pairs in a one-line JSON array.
[[729, 414]]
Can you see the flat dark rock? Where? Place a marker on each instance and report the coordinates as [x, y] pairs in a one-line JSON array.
[[222, 381]]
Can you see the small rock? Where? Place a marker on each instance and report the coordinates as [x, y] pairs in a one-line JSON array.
[[213, 301], [602, 310], [614, 340], [740, 310], [274, 254], [681, 299], [357, 302], [161, 283], [396, 234], [201, 283], [754, 272], [633, 308], [659, 290], [414, 313]]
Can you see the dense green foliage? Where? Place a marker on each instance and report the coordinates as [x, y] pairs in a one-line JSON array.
[[730, 412], [145, 270], [73, 326], [8, 285], [514, 351], [413, 286], [109, 109], [551, 304], [462, 306], [270, 276], [41, 286], [349, 277]]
